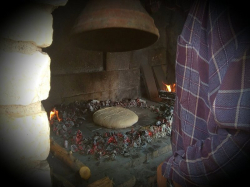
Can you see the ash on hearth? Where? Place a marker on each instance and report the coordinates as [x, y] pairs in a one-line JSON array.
[[109, 144]]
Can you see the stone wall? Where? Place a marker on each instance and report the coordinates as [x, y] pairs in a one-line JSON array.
[[36, 73], [25, 82], [78, 74], [99, 76]]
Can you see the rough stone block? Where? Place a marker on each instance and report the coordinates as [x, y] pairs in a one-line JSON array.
[[20, 110], [134, 93], [114, 80], [25, 138], [70, 59], [118, 61], [118, 95], [104, 81], [124, 79], [157, 56], [134, 77], [25, 79], [135, 61], [114, 85], [85, 83], [140, 56], [29, 23], [15, 46], [128, 79]]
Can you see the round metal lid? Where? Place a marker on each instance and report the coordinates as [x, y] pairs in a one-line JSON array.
[[114, 26]]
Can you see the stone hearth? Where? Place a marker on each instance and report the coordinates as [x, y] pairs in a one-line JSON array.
[[139, 168], [39, 68]]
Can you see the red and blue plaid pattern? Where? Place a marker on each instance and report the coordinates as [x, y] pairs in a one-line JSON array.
[[211, 127]]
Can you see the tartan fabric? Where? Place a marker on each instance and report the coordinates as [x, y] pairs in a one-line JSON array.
[[211, 125]]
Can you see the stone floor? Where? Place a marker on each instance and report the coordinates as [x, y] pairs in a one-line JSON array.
[[139, 169]]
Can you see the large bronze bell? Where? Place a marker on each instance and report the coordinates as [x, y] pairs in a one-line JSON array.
[[114, 26]]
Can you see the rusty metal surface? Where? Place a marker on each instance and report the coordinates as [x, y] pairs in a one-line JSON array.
[[114, 26]]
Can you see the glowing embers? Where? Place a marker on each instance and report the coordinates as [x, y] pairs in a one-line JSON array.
[[75, 129]]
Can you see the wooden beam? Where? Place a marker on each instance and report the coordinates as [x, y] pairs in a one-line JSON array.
[[160, 77], [70, 160], [149, 81]]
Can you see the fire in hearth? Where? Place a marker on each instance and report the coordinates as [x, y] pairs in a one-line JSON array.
[[169, 87], [108, 144], [168, 92], [54, 114]]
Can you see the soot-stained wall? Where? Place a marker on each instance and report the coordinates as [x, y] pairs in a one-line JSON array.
[[78, 74]]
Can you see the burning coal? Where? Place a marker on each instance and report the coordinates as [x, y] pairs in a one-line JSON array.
[[65, 119]]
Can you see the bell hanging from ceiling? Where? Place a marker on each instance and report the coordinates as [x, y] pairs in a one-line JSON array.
[[114, 26]]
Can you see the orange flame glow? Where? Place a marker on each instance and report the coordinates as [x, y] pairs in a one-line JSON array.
[[173, 88], [53, 114], [169, 87]]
